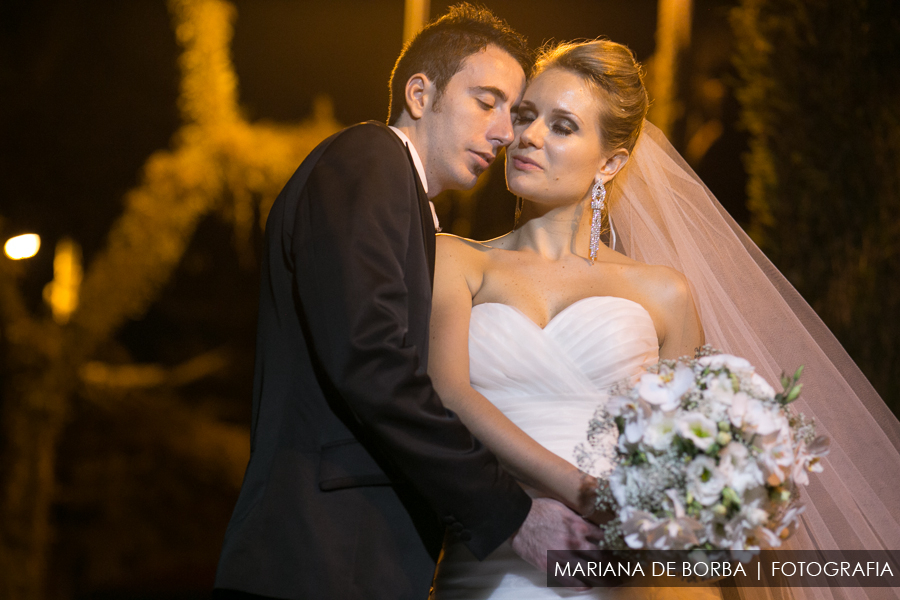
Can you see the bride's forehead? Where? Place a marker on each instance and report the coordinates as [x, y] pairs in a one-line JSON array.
[[559, 86]]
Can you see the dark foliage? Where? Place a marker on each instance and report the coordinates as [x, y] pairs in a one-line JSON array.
[[820, 97]]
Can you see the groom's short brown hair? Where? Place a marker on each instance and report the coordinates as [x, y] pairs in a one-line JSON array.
[[440, 48]]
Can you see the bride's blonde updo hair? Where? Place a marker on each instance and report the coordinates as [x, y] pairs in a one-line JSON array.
[[616, 79]]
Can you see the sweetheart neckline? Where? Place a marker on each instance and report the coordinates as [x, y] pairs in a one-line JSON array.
[[560, 313]]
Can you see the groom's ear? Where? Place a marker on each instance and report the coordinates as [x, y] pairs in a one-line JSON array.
[[418, 92], [612, 164]]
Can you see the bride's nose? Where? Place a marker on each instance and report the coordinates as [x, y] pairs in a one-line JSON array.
[[533, 135]]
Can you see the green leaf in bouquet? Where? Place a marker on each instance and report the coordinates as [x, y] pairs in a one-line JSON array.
[[785, 382], [794, 393]]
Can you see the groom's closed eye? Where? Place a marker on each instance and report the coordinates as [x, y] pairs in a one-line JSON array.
[[488, 96], [486, 103]]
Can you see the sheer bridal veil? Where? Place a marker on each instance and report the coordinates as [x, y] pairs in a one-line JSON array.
[[663, 214]]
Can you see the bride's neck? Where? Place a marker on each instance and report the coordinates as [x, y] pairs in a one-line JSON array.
[[554, 232]]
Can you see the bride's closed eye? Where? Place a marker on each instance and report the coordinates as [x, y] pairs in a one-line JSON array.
[[563, 127], [523, 117]]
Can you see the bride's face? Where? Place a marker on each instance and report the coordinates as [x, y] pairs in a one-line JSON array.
[[556, 153]]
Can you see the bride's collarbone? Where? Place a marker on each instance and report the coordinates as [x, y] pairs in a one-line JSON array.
[[543, 301]]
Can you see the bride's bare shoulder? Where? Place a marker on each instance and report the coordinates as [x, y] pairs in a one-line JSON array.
[[453, 248], [660, 284], [661, 281], [665, 293], [457, 259]]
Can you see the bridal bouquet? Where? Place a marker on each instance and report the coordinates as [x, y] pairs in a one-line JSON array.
[[707, 456]]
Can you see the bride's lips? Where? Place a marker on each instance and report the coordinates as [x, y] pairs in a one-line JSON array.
[[525, 164]]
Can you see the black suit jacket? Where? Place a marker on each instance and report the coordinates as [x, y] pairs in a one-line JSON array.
[[356, 467]]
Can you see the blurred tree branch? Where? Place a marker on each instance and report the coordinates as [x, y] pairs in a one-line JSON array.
[[218, 163]]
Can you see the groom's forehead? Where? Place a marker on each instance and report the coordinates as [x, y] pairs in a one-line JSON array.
[[492, 70]]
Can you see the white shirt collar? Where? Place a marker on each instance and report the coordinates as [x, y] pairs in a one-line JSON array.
[[420, 169]]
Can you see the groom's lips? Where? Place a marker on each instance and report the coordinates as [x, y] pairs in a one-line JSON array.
[[484, 159]]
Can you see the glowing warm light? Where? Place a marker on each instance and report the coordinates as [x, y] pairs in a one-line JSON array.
[[62, 293], [22, 246]]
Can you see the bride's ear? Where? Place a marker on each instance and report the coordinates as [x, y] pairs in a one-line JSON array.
[[418, 92], [612, 164]]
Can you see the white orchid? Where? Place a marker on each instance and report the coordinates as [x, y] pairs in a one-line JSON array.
[[808, 459], [679, 533], [776, 457], [636, 525], [754, 417], [789, 522], [666, 388]]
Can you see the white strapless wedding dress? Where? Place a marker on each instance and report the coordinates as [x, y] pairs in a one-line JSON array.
[[549, 382]]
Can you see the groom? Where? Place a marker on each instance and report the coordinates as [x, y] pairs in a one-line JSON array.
[[356, 468]]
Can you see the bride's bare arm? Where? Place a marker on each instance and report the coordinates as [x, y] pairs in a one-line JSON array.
[[458, 275]]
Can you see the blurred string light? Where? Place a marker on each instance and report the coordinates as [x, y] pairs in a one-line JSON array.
[[22, 246], [61, 294]]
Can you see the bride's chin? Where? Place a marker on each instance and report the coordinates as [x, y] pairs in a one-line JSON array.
[[515, 187]]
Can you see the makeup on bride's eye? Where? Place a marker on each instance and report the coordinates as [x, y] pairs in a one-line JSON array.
[[564, 127], [523, 117]]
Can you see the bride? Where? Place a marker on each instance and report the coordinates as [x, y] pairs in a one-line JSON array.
[[531, 329]]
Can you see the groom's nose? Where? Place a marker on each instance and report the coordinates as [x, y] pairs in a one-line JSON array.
[[501, 129]]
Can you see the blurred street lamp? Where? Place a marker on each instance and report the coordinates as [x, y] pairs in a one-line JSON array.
[[62, 293], [22, 246]]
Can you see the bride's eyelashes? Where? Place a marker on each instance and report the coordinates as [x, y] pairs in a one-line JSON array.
[[564, 127], [523, 117], [558, 126]]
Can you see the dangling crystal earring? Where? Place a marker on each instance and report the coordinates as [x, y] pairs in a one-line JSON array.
[[598, 200], [519, 203]]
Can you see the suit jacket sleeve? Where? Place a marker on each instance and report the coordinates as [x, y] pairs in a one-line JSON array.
[[351, 244]]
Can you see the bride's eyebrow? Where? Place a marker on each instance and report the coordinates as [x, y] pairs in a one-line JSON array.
[[564, 113]]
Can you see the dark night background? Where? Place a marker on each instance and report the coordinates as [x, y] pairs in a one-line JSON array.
[[89, 91]]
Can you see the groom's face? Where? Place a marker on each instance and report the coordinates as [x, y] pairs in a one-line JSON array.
[[472, 119]]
